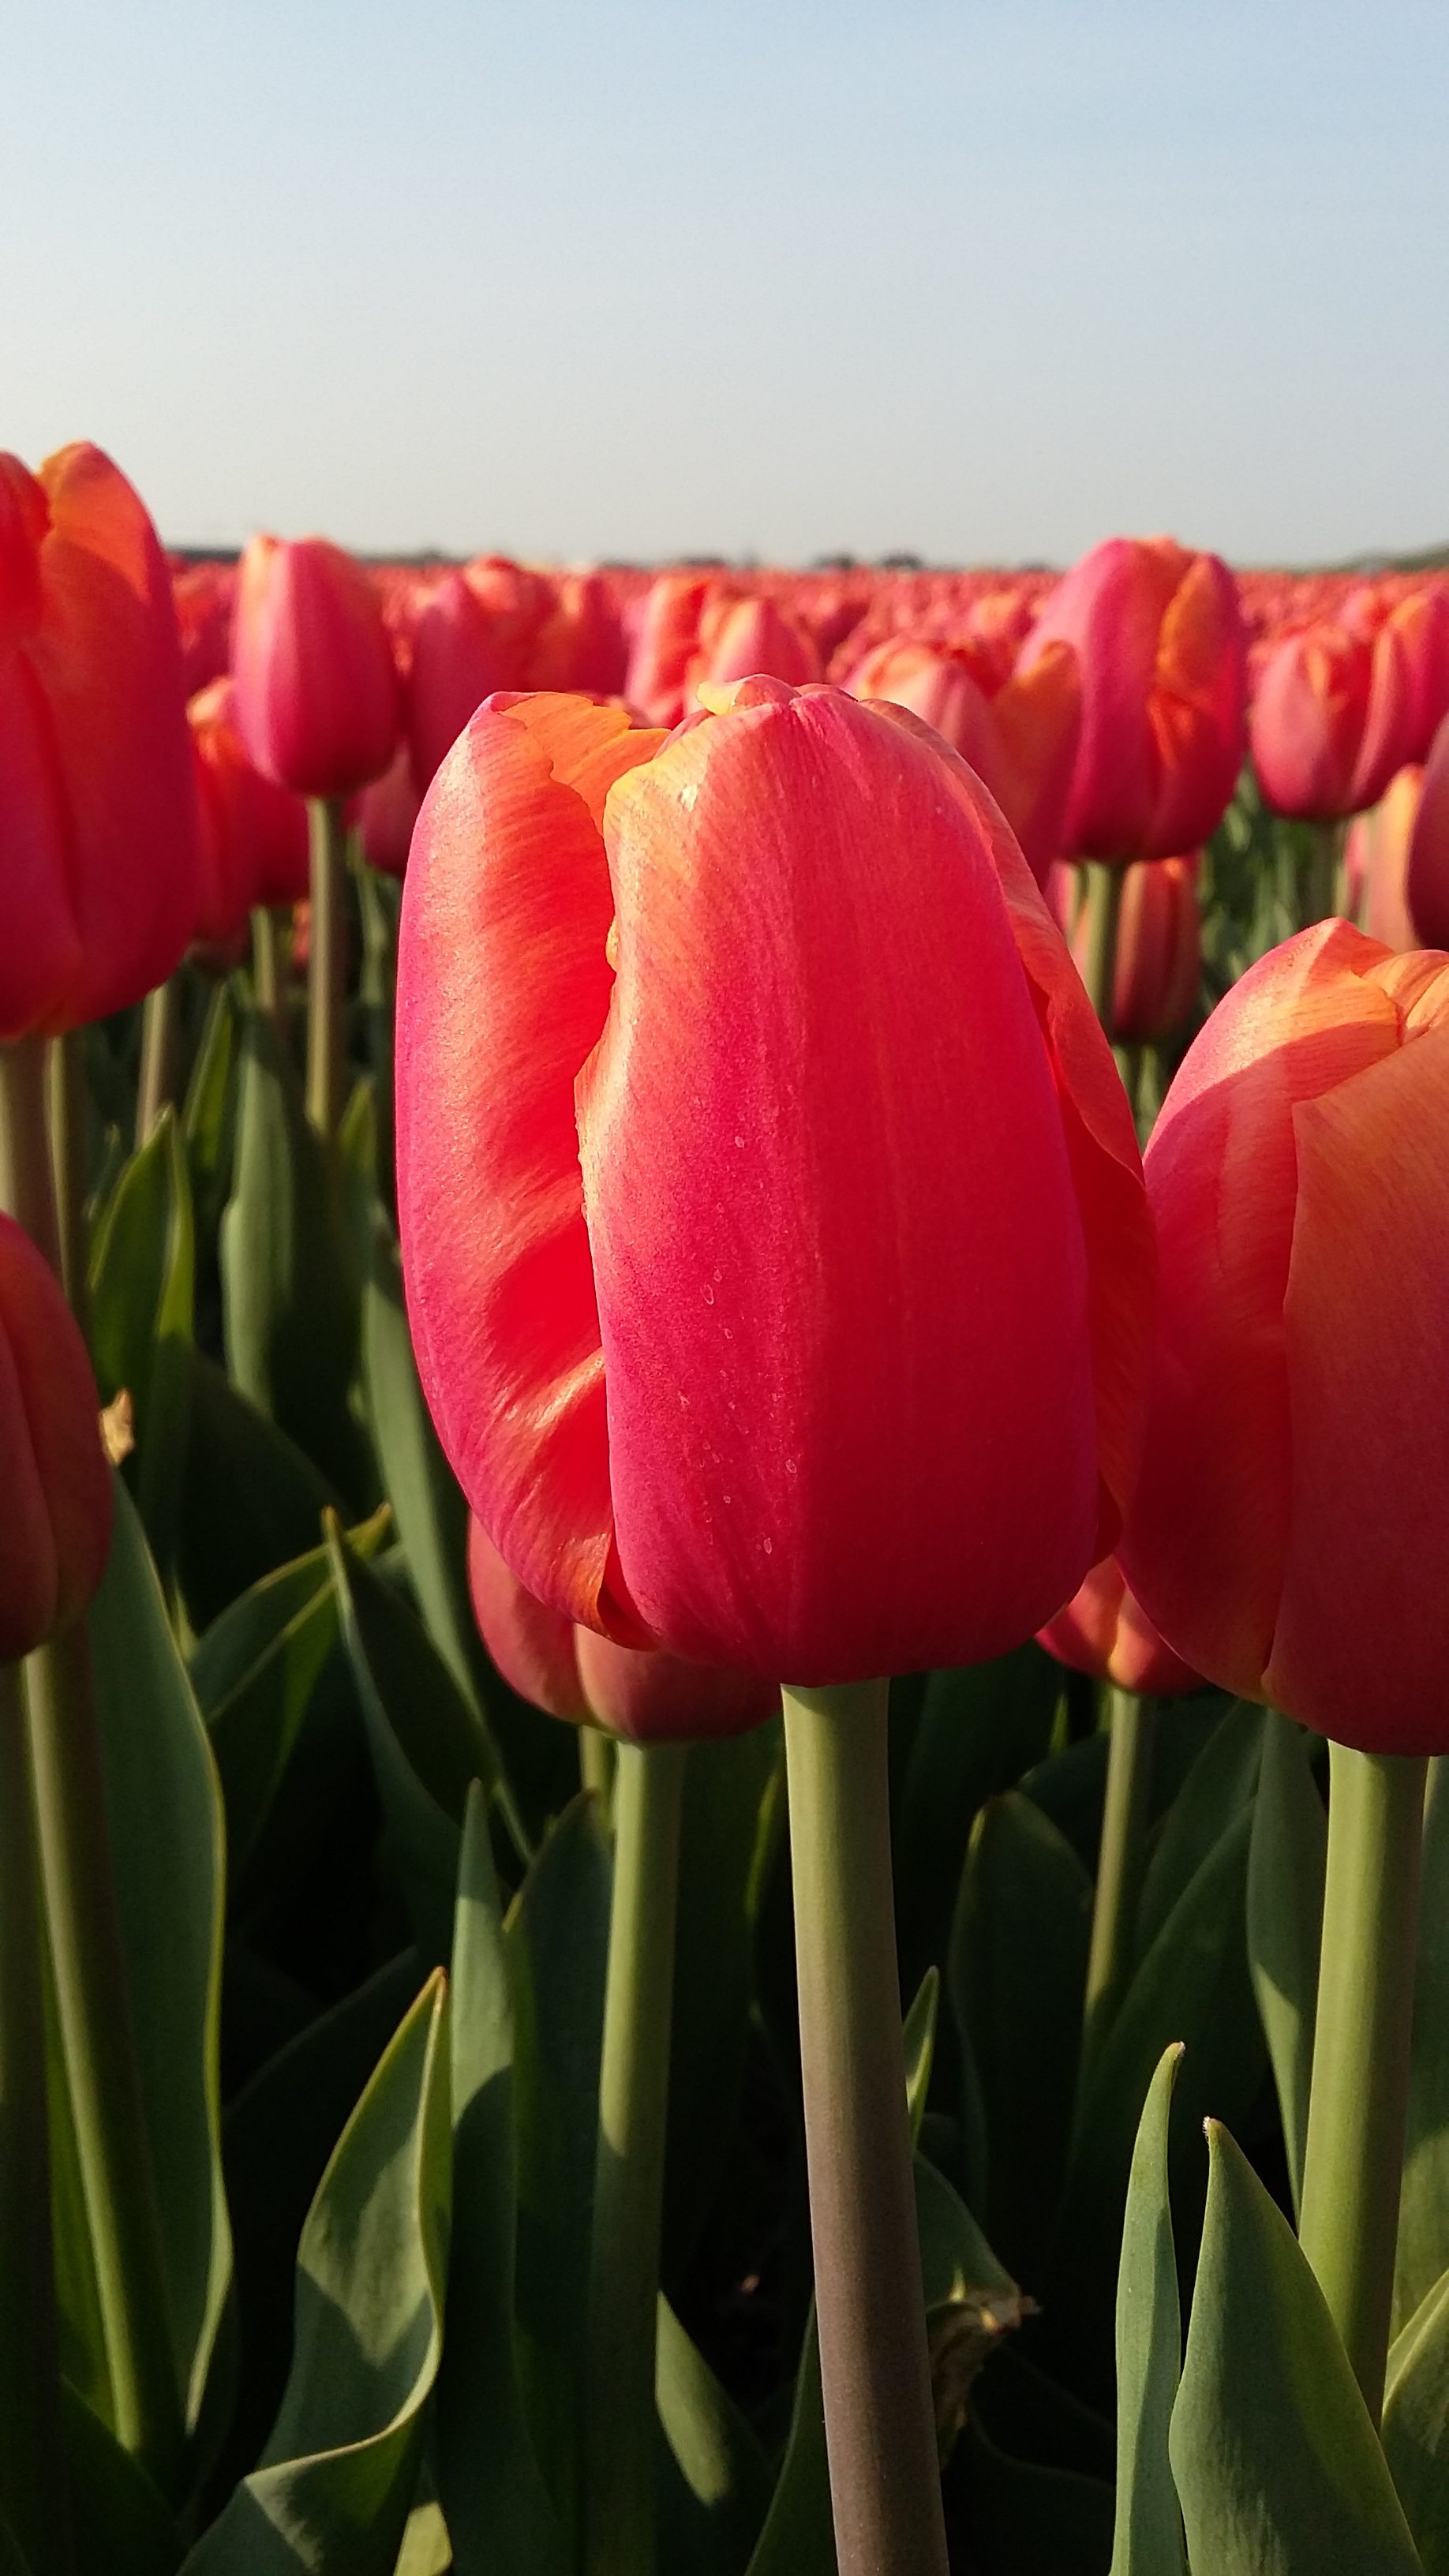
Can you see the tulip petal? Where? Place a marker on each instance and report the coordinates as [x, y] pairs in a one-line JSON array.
[[842, 1289], [504, 987], [1361, 1647]]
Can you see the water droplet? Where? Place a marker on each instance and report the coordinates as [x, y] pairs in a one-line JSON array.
[[739, 1140], [718, 1276], [792, 1466], [729, 1336], [708, 1295], [726, 1498], [768, 1545]]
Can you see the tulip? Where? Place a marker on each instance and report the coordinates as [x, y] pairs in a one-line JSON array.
[[581, 643], [1159, 948], [744, 1075], [316, 695], [665, 639], [96, 785], [384, 815], [254, 843], [756, 1495], [1104, 1630], [1376, 862], [57, 1485], [1333, 718], [1426, 873], [1160, 637], [741, 636], [1019, 733], [458, 659]]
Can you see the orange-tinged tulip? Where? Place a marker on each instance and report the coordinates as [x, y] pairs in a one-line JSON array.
[[97, 797], [1159, 948], [1376, 863], [1287, 1531], [1334, 717], [1019, 733], [581, 643], [384, 816], [575, 1674], [666, 637], [1160, 638], [254, 841], [1104, 1630], [1426, 871], [52, 1467], [458, 658], [773, 1227], [741, 636], [316, 693]]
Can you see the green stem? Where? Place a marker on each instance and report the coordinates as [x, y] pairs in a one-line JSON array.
[[159, 1032], [98, 2041], [269, 982], [327, 969], [1321, 889], [27, 1184], [875, 2372], [596, 1766], [377, 900], [1120, 1857], [1358, 2099], [1104, 912], [34, 2478], [66, 1083], [620, 2421]]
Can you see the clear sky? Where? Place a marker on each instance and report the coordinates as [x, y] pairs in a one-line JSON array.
[[985, 279]]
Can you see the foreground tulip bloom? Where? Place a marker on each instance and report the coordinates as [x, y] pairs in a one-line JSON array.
[[52, 1466], [98, 883], [1286, 1532], [1019, 735], [579, 1676], [814, 1157], [316, 693], [1105, 1631], [1160, 638]]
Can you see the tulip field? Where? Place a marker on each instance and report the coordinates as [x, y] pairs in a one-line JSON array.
[[724, 1563]]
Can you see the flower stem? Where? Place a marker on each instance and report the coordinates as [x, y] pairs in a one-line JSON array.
[[1358, 2100], [66, 1080], [268, 970], [1120, 1858], [620, 2420], [1104, 912], [27, 1184], [158, 1058], [327, 969], [33, 2470], [875, 2372]]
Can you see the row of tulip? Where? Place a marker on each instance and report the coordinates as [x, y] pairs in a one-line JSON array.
[[789, 1300]]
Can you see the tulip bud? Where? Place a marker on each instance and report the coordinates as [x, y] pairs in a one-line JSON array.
[[98, 888], [576, 1675], [1105, 1631], [458, 658], [316, 694], [1159, 949], [1287, 1534], [57, 1526], [384, 816], [254, 840], [1426, 871], [744, 1075], [1333, 718], [1019, 733], [741, 636]]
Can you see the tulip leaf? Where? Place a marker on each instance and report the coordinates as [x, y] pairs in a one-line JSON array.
[[1423, 2251], [1193, 1985], [715, 2488], [980, 1728], [1218, 1787], [557, 1937], [118, 2520], [142, 1289], [289, 1290], [1033, 2519], [335, 2485], [279, 2134], [1017, 1969], [163, 1805], [1148, 2536], [798, 2538], [256, 1673], [918, 2043], [1286, 1863], [1416, 2426], [1276, 2462], [494, 2500], [208, 1121], [250, 1501]]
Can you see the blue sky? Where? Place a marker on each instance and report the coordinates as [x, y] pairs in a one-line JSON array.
[[987, 280]]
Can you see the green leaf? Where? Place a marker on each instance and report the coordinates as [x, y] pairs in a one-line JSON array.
[[1017, 1971], [208, 1122], [1286, 1864], [142, 1290], [980, 1729], [250, 1500], [1276, 2462], [118, 2520], [492, 2492], [1148, 2535], [289, 1291], [557, 1937], [1030, 2520], [1423, 2250], [1193, 1985], [1218, 1787], [798, 2538], [279, 2134], [426, 1741], [163, 1807], [256, 1672], [335, 2485], [1416, 2426], [715, 2489], [918, 2041]]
